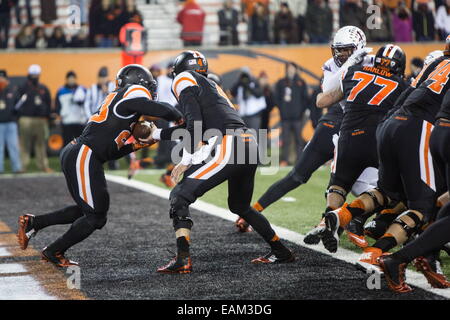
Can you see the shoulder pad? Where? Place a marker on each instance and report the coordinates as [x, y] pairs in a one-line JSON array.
[[137, 91], [183, 81]]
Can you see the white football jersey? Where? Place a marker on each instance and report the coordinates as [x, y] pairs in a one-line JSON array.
[[331, 80]]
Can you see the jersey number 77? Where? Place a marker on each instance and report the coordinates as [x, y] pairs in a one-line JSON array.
[[364, 79]]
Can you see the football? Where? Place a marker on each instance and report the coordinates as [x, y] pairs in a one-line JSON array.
[[142, 129]]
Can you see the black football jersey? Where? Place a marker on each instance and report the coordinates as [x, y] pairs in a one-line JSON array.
[[334, 114], [425, 101], [444, 112], [369, 93], [217, 111], [110, 127]]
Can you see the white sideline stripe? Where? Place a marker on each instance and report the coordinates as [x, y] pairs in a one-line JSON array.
[[22, 288], [4, 252], [12, 268], [414, 278]]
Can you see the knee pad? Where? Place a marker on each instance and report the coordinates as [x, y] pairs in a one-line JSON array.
[[179, 212], [377, 205], [97, 220], [340, 192], [378, 226], [410, 230]]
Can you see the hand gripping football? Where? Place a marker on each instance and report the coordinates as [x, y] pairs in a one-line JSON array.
[[143, 130]]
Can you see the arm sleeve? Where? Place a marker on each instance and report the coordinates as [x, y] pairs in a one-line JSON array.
[[126, 149], [147, 107], [166, 134]]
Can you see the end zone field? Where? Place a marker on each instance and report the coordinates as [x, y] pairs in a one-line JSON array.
[[119, 261]]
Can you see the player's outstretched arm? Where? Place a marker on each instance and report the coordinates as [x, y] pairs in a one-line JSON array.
[[327, 99], [147, 107]]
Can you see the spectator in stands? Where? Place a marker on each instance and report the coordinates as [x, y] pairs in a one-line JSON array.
[[48, 11], [58, 38], [291, 96], [33, 108], [40, 39], [25, 38], [69, 106], [192, 20], [443, 20], [228, 23], [80, 40], [248, 7], [129, 13], [423, 21], [249, 97], [319, 22], [133, 39], [8, 125], [5, 22], [259, 25], [382, 32], [285, 26], [402, 24], [104, 25], [415, 66], [18, 11], [353, 13]]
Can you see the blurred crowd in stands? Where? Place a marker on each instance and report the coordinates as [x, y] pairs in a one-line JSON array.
[[293, 21]]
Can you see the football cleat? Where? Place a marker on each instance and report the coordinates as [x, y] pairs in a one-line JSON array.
[[25, 231], [330, 235], [275, 257], [57, 258], [177, 265], [313, 236], [242, 225], [368, 261], [432, 272], [355, 233], [394, 273]]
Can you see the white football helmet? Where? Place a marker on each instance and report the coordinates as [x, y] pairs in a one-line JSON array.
[[346, 40], [432, 56]]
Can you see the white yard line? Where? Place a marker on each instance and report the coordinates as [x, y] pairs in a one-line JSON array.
[[22, 288], [413, 278], [12, 268]]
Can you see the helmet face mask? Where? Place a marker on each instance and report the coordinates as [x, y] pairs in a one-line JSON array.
[[342, 53], [346, 40], [136, 74]]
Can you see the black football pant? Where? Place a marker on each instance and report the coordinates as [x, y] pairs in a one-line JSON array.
[[234, 160], [316, 153], [407, 170], [87, 185], [438, 233], [356, 150]]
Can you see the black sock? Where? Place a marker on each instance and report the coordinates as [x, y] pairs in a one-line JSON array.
[[259, 223], [66, 215], [79, 230], [182, 246], [385, 243], [433, 238]]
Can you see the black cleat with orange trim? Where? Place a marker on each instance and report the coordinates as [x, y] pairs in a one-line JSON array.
[[177, 265], [394, 273], [242, 225], [25, 230], [432, 272], [57, 258], [276, 257]]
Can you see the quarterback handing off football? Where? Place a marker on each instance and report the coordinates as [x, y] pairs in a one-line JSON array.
[[143, 130]]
